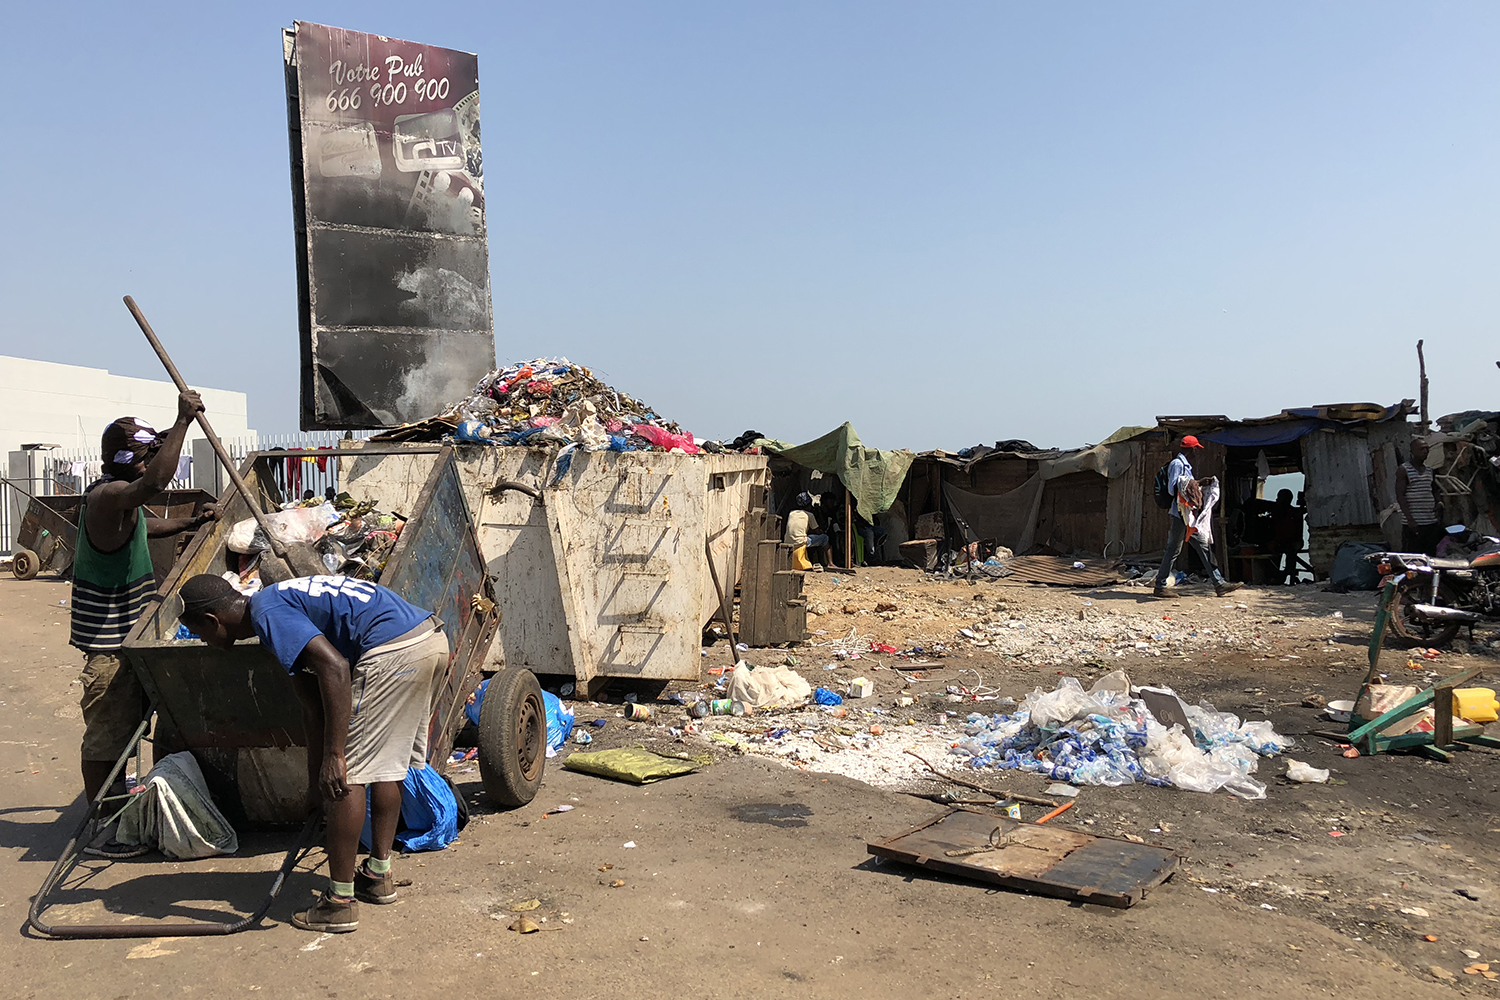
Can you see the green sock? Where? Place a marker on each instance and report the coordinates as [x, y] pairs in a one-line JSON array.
[[344, 889], [378, 866]]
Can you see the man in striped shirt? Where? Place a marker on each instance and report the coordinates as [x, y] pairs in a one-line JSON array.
[[1421, 504], [113, 580]]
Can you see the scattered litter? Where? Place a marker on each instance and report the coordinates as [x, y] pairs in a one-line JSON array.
[[1415, 911], [628, 844], [526, 906], [1058, 789], [524, 925], [559, 809], [1104, 736]]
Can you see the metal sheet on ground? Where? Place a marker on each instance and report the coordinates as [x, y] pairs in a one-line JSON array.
[[1059, 571], [1033, 858]]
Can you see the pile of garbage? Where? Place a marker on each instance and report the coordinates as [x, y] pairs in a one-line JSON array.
[[1108, 736], [555, 403], [352, 537]]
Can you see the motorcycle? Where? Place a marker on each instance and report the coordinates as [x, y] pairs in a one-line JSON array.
[[1438, 595]]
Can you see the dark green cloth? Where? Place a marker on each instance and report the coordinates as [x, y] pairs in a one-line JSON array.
[[873, 477]]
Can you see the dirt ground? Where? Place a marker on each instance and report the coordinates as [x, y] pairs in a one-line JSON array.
[[751, 876]]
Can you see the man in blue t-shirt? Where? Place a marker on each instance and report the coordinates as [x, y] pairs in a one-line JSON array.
[[365, 665]]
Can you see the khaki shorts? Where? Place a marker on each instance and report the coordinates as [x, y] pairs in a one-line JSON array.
[[393, 687], [114, 704]]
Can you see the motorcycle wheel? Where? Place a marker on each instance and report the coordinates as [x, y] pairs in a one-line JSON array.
[[1405, 630]]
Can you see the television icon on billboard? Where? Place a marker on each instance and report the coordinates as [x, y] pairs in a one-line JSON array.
[[428, 142]]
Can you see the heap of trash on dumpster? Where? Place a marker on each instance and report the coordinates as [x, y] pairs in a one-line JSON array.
[[551, 402], [352, 537], [1106, 735]]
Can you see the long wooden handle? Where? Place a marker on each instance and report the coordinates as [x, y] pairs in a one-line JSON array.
[[213, 439]]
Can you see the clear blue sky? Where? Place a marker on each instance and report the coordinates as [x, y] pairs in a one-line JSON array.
[[948, 223]]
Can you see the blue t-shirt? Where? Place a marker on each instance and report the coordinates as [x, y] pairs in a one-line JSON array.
[[354, 615]]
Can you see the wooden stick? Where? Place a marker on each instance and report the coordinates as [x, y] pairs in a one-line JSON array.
[[1422, 374], [1000, 794], [848, 531], [1058, 811], [734, 653]]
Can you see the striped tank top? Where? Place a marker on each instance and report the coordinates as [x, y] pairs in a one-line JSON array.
[[1419, 495], [111, 590]]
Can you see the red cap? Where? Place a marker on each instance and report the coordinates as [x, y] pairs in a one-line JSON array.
[[1191, 442]]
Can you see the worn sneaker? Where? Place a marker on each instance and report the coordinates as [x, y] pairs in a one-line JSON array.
[[372, 888], [1160, 592], [1227, 588], [330, 916]]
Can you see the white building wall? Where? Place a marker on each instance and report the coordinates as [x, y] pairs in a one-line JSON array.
[[42, 402], [69, 405]]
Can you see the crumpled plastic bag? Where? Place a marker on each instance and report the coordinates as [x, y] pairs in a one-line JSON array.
[[300, 524], [581, 422], [1056, 708], [663, 438], [1302, 771], [636, 766], [762, 687]]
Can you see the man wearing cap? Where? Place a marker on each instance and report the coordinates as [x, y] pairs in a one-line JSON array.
[[365, 666], [113, 581], [1182, 487]]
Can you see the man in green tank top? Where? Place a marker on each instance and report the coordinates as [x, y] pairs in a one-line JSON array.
[[113, 581]]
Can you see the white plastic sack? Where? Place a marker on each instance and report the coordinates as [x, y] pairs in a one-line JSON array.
[[1053, 709], [761, 687], [1301, 770], [176, 814], [302, 524]]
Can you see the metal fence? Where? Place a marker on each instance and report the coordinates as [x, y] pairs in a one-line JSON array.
[[311, 465]]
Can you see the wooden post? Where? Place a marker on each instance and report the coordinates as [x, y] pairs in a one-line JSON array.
[[1422, 372], [848, 530], [1442, 715]]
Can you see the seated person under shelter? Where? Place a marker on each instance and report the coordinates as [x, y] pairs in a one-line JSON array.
[[809, 549], [365, 665]]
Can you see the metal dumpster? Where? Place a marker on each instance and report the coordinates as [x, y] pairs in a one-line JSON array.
[[236, 710], [605, 576], [48, 536]]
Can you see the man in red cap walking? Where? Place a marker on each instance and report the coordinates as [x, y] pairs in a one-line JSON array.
[[1184, 491]]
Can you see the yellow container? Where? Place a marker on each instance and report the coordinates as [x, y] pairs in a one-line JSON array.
[[1476, 704]]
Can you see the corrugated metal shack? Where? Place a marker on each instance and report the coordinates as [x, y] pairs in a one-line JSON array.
[[1097, 500], [1347, 452], [1083, 500]]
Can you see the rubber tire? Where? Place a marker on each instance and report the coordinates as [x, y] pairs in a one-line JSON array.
[[512, 738], [25, 564], [1405, 636]]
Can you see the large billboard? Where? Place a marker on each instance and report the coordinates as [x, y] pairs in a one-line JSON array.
[[388, 192]]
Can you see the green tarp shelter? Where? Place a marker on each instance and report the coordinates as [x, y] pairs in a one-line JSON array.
[[873, 477]]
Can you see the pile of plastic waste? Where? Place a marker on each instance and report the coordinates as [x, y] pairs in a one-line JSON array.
[[555, 403], [1107, 736], [352, 537]]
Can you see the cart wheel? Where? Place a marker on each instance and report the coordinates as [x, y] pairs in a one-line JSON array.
[[512, 737], [25, 564]]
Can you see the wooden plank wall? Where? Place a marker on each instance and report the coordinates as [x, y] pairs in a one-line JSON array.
[[1073, 514]]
